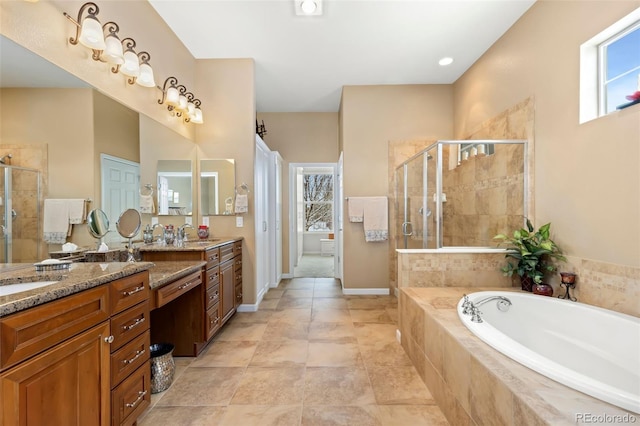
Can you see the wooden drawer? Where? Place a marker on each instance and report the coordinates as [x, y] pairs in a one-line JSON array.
[[131, 397], [237, 248], [129, 291], [212, 256], [237, 276], [213, 276], [237, 263], [213, 321], [238, 291], [34, 330], [226, 252], [128, 324], [128, 358], [171, 291], [212, 296]]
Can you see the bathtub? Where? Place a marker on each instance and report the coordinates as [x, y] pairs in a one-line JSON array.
[[590, 349]]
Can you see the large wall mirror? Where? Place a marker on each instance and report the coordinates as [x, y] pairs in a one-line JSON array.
[[175, 196], [217, 186]]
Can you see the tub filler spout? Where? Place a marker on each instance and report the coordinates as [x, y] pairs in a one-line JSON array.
[[471, 308]]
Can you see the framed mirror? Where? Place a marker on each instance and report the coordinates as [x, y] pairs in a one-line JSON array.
[[175, 195], [217, 186]]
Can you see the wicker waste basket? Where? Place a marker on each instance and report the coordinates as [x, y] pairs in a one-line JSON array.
[[162, 366]]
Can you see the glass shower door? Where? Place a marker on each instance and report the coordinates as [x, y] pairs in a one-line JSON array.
[[20, 234]]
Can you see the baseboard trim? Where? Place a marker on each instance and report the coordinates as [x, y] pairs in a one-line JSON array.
[[245, 307], [365, 291]]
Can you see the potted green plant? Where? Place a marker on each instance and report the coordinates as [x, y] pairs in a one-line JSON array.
[[532, 251]]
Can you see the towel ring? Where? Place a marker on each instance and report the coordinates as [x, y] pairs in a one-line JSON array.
[[242, 189], [146, 190]]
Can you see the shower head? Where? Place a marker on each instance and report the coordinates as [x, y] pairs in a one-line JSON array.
[[4, 158]]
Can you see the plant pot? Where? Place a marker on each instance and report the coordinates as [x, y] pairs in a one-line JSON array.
[[543, 289], [526, 283]]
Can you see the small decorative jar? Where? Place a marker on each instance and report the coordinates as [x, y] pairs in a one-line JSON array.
[[543, 289], [203, 232], [169, 235]]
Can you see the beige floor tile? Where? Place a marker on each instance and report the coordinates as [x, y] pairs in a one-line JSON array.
[[269, 304], [274, 293], [262, 415], [286, 331], [330, 315], [291, 315], [220, 384], [294, 302], [365, 415], [337, 386], [327, 282], [371, 333], [334, 354], [406, 415], [270, 386], [255, 317], [399, 385], [331, 331], [331, 292], [371, 315], [384, 354], [298, 293], [184, 416], [285, 353], [369, 303], [226, 354], [329, 303], [300, 283], [241, 332]]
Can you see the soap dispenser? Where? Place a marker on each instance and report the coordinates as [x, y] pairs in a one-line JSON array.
[[147, 234]]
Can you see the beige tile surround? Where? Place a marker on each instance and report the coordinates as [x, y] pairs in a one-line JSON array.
[[474, 384]]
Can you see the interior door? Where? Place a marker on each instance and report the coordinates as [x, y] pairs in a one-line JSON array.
[[120, 189], [263, 252]]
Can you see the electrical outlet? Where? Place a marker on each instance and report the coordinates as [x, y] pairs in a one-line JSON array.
[[205, 220], [188, 220], [154, 220], [239, 222]]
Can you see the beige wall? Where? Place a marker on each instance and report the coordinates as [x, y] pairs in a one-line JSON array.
[[587, 176], [371, 117], [299, 138]]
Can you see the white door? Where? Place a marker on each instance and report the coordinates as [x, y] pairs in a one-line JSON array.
[[263, 252], [339, 202], [120, 189], [275, 206]]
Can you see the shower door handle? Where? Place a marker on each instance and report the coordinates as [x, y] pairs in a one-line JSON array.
[[407, 229]]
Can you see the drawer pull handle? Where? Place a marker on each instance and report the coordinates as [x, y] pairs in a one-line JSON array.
[[137, 355], [134, 291], [109, 339], [141, 395], [136, 323], [213, 296], [183, 286], [239, 296], [214, 257], [213, 277]]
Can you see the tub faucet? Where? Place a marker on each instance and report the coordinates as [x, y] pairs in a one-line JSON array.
[[470, 308], [502, 305]]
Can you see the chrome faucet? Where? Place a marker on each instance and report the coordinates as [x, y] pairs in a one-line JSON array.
[[182, 233], [470, 308], [153, 230]]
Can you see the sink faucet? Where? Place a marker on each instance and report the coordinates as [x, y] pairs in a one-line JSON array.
[[182, 233], [153, 230]]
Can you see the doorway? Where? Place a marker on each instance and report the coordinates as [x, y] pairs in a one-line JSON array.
[[120, 180], [312, 204]]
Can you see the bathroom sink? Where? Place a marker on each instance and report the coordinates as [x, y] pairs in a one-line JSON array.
[[7, 289]]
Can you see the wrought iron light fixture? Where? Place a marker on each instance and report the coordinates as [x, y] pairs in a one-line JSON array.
[[261, 130], [180, 102]]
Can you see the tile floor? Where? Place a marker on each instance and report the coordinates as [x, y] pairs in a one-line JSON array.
[[309, 356]]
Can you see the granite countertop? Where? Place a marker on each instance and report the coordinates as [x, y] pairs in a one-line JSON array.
[[165, 272], [191, 245], [79, 277]]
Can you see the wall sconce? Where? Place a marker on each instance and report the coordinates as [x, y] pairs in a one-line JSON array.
[[180, 102], [88, 30], [113, 52], [261, 130]]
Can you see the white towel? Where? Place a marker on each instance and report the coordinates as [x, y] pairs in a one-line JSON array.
[[77, 212], [146, 204], [56, 221], [356, 209], [242, 203]]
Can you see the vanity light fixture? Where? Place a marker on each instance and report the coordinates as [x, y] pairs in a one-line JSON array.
[[145, 79], [88, 30], [113, 52], [131, 65], [180, 102]]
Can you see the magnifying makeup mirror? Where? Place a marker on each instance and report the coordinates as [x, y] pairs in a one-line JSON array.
[[128, 225], [98, 224]]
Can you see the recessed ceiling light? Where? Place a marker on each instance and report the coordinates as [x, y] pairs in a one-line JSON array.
[[308, 7], [445, 61]]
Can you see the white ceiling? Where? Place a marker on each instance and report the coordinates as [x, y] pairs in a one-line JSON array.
[[302, 63]]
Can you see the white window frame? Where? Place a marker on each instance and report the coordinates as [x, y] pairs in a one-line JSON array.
[[602, 67], [330, 202], [589, 67]]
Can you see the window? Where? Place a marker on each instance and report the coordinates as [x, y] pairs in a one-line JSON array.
[[318, 202], [619, 69]]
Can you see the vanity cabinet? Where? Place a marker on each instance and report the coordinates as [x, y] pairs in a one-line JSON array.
[[65, 362]]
